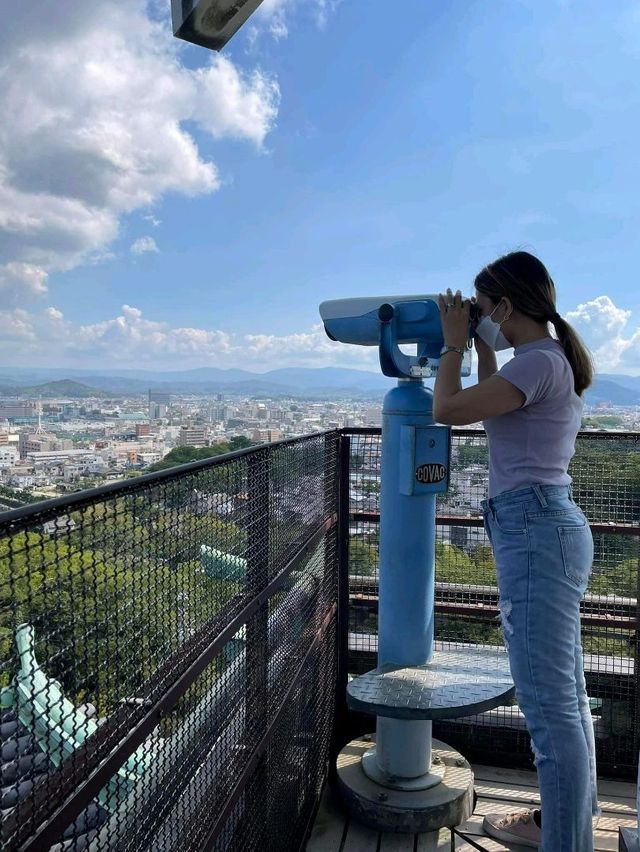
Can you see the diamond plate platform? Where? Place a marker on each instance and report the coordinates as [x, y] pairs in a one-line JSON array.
[[454, 683]]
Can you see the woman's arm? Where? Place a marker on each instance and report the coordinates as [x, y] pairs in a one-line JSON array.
[[487, 364], [491, 397]]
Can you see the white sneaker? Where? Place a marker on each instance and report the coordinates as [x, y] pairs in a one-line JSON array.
[[515, 827]]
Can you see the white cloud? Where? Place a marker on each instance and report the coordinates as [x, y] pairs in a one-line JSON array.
[[20, 280], [603, 327], [307, 349], [234, 105], [16, 328], [273, 16], [130, 338], [95, 110], [143, 245]]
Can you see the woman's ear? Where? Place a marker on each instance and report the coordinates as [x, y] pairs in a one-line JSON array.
[[508, 310]]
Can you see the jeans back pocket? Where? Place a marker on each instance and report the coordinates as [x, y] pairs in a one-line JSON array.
[[576, 543]]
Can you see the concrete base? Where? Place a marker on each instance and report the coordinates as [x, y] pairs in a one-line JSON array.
[[448, 804]]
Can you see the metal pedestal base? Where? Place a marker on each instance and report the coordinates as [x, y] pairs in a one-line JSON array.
[[372, 770], [447, 804]]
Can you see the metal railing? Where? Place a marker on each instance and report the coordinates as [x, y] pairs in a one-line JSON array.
[[175, 647], [169, 656], [606, 484]]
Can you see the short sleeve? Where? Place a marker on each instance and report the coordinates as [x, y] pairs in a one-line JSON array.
[[532, 373]]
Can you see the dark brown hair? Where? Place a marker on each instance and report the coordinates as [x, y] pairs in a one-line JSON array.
[[525, 281]]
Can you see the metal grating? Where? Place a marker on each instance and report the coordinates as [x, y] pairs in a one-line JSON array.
[[165, 642], [606, 484]]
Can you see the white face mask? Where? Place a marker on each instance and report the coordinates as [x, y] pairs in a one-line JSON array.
[[489, 331]]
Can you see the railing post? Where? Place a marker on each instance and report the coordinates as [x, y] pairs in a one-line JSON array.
[[340, 726], [257, 637], [636, 668]]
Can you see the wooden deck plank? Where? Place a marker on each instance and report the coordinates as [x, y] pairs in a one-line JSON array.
[[360, 838], [399, 842], [606, 786], [526, 796], [488, 844], [330, 825], [434, 841]]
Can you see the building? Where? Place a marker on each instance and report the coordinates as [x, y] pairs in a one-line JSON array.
[[41, 442], [43, 458], [8, 457], [142, 429], [192, 436], [266, 436], [159, 402], [15, 408]]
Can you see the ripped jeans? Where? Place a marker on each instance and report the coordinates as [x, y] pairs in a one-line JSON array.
[[544, 551]]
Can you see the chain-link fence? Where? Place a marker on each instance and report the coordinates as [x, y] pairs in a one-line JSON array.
[[606, 484], [169, 656], [173, 646]]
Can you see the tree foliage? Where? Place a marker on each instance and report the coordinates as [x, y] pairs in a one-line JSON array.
[[184, 455], [114, 597]]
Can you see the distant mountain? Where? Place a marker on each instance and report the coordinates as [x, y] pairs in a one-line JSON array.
[[57, 389], [319, 383], [614, 392], [630, 382], [329, 377]]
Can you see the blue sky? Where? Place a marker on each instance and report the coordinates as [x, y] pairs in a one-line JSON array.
[[330, 151]]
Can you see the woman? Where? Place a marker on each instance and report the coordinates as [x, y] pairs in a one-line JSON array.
[[531, 409]]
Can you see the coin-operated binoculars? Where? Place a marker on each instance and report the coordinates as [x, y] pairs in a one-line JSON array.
[[405, 781]]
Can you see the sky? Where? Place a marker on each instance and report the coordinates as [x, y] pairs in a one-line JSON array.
[[164, 206]]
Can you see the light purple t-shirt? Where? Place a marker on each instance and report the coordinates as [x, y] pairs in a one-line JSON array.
[[534, 444]]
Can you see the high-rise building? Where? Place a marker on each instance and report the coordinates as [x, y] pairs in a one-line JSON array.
[[159, 402], [192, 436]]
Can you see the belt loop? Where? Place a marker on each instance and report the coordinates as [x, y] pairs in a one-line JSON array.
[[537, 490], [492, 508]]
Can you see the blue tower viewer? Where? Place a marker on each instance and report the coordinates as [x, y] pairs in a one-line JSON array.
[[413, 683]]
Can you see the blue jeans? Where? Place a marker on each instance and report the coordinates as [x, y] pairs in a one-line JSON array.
[[544, 551]]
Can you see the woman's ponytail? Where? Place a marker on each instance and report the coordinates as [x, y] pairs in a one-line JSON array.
[[577, 353]]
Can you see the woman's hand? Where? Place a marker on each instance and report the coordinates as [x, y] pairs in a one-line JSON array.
[[454, 315]]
